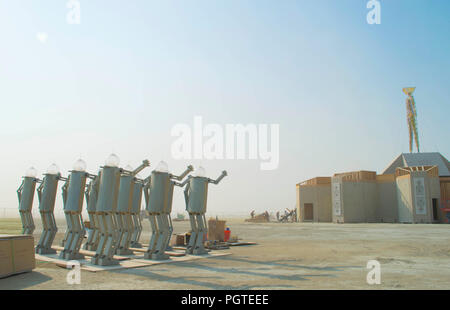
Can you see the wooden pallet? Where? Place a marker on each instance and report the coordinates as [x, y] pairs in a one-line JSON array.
[[125, 264], [92, 253], [240, 243], [170, 253]]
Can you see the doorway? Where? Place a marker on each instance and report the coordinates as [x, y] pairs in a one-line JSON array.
[[435, 209], [309, 212]]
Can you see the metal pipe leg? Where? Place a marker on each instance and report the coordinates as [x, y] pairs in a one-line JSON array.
[[24, 221], [155, 235], [124, 242], [169, 218], [139, 221], [102, 239], [78, 234], [137, 232], [119, 230], [68, 230], [68, 236], [108, 252], [194, 233], [31, 226], [163, 229], [44, 233], [134, 230], [53, 231], [199, 245], [95, 234], [90, 231]]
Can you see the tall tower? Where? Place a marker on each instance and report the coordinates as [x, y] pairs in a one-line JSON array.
[[411, 115]]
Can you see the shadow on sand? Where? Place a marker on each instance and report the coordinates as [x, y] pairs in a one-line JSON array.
[[23, 280]]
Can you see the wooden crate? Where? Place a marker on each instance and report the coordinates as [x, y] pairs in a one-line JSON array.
[[216, 230]]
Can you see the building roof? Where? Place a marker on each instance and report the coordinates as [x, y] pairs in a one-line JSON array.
[[420, 159]]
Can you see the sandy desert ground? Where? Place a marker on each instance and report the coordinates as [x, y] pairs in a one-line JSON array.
[[288, 256]]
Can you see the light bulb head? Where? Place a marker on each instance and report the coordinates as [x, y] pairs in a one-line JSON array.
[[112, 161], [162, 167], [53, 169], [79, 165], [200, 172], [31, 172]]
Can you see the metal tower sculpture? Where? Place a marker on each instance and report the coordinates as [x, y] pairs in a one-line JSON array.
[[411, 114]]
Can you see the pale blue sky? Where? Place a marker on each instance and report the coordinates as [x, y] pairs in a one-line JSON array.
[[131, 70]]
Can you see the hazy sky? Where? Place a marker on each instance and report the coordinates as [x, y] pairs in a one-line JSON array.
[[120, 80]]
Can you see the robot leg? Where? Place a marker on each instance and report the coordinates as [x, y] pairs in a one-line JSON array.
[[124, 242], [78, 234], [194, 233], [161, 243], [24, 220], [68, 236], [138, 224], [90, 232], [134, 230], [155, 234], [53, 229], [102, 239], [95, 233], [199, 245], [68, 229], [44, 233], [169, 219], [107, 258], [31, 226]]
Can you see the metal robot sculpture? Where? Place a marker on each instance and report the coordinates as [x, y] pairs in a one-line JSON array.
[[91, 195], [124, 205], [158, 196], [73, 197], [136, 214], [47, 195], [411, 113], [25, 193], [195, 195], [105, 211]]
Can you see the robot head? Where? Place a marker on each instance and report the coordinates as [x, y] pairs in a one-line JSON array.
[[112, 161], [200, 172], [79, 165], [162, 167], [31, 172], [52, 169]]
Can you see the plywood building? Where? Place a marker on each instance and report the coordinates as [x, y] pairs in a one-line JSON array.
[[407, 194], [314, 199], [418, 195]]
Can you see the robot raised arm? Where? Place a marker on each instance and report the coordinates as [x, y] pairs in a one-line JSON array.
[[64, 190], [39, 190], [145, 163], [183, 183], [19, 191], [146, 189], [187, 192], [185, 173], [216, 181]]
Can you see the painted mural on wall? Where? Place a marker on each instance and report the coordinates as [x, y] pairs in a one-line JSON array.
[[420, 199], [336, 192]]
